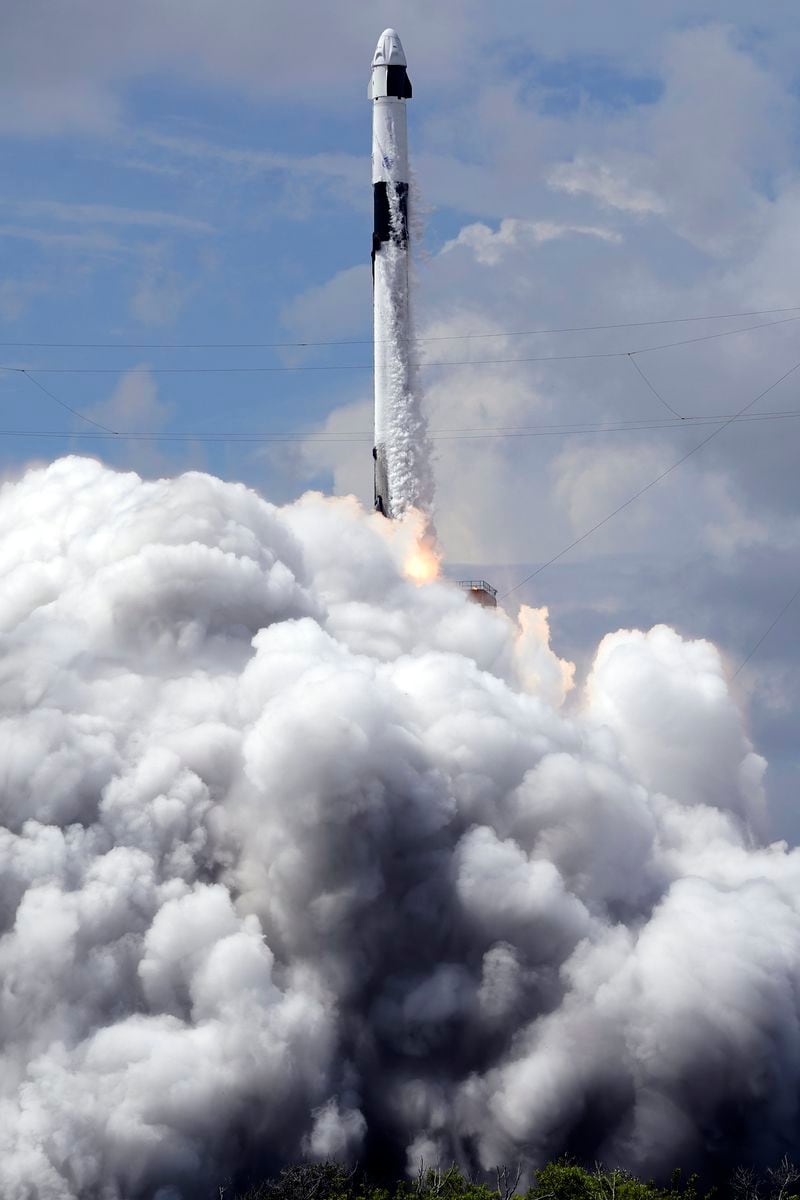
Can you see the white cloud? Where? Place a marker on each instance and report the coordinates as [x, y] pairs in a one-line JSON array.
[[342, 172], [134, 405], [692, 126], [606, 183], [331, 310], [200, 685], [76, 78], [111, 214], [590, 481], [346, 458], [93, 243], [490, 247]]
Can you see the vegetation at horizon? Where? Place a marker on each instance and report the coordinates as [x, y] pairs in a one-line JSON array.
[[560, 1180]]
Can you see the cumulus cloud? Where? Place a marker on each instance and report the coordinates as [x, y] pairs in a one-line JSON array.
[[301, 858], [604, 183], [294, 851], [340, 306], [489, 246], [134, 405]]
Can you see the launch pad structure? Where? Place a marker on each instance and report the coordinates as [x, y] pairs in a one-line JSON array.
[[480, 591]]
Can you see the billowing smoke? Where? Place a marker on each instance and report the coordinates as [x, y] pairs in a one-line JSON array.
[[299, 858]]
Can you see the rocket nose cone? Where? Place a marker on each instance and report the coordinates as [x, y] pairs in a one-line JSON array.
[[389, 51]]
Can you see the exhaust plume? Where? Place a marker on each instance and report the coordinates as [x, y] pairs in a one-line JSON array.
[[302, 858]]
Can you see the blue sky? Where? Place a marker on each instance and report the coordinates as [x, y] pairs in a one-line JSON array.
[[180, 173], [185, 207]]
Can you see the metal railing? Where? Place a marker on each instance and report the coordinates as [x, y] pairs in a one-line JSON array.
[[477, 585]]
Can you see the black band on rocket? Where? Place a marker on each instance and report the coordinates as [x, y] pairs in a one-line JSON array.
[[382, 229]]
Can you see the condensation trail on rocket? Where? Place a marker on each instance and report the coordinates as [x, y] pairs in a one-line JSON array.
[[389, 89]]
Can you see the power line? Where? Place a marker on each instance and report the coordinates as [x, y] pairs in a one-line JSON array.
[[63, 404], [461, 362], [722, 422], [652, 388], [469, 434], [557, 429], [766, 633], [449, 337], [614, 423], [692, 422], [662, 475], [364, 436]]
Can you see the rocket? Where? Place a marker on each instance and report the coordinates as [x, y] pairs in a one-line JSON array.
[[389, 89]]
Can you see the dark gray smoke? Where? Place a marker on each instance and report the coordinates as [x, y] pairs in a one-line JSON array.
[[299, 858]]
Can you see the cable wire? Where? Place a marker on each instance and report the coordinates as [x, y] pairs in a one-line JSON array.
[[440, 435], [457, 362], [662, 475], [766, 633], [75, 412], [655, 392], [447, 337], [364, 436]]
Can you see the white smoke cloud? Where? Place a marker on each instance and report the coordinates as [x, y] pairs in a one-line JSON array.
[[301, 858]]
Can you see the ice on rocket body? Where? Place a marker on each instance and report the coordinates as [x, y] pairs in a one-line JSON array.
[[389, 89]]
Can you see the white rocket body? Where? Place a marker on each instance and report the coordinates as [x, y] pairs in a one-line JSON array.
[[393, 451]]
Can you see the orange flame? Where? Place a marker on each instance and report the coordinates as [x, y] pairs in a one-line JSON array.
[[422, 564]]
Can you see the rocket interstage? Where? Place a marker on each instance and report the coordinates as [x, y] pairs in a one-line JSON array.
[[389, 89]]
